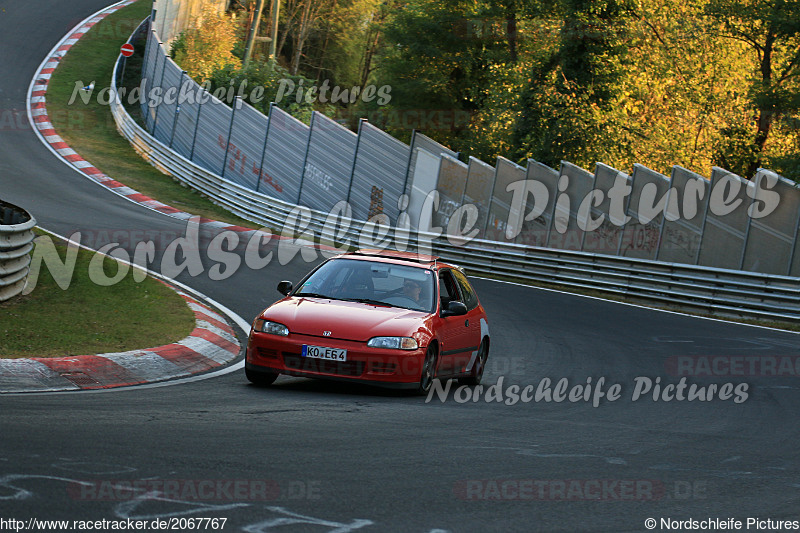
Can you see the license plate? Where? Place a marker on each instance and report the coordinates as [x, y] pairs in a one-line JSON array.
[[321, 352]]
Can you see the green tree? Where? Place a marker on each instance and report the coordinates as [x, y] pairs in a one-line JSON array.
[[771, 31], [438, 57], [269, 76], [345, 42], [564, 106]]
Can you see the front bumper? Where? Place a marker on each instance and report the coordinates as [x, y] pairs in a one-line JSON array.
[[383, 367]]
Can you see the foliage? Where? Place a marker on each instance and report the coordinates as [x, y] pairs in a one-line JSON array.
[[657, 82], [678, 107], [565, 107], [491, 128], [782, 153], [209, 46], [344, 41], [268, 76], [664, 106], [438, 59], [564, 121], [771, 33], [178, 47]]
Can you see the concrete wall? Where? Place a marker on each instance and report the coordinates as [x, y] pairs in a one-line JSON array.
[[480, 181], [725, 232], [641, 236], [574, 183], [499, 210], [770, 239], [606, 239], [535, 231], [680, 239]]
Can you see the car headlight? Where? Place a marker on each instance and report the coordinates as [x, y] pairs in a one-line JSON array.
[[397, 343], [274, 328]]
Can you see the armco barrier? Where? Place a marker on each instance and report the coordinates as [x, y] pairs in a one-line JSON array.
[[703, 289], [16, 244]]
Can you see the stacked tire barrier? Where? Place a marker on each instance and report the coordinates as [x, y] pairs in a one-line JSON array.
[[16, 244]]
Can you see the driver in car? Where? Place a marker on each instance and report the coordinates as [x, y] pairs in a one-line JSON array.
[[412, 290]]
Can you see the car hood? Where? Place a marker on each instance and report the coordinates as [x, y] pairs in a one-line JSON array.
[[345, 320]]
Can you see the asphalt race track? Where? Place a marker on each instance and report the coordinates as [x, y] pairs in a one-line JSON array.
[[317, 456]]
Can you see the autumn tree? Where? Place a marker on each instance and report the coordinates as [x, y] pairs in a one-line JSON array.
[[683, 87], [207, 47], [771, 31], [342, 46], [302, 18]]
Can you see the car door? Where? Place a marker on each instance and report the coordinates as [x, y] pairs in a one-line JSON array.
[[472, 320], [456, 333]]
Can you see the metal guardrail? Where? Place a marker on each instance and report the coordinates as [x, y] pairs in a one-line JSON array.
[[702, 289], [16, 244]]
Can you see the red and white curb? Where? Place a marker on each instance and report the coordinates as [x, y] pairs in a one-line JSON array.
[[43, 127], [40, 121], [212, 344]]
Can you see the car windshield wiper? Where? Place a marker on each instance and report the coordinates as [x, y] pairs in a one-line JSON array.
[[313, 295], [368, 301]]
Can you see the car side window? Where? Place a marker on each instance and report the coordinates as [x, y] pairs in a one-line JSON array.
[[470, 297], [448, 290]]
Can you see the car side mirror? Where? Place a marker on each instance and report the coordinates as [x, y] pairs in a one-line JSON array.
[[285, 287], [455, 309]]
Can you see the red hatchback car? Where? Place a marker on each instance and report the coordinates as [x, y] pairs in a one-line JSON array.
[[384, 318]]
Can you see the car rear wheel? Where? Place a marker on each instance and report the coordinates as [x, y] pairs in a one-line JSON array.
[[428, 371], [261, 379], [478, 367]]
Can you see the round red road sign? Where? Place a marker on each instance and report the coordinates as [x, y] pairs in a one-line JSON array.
[[126, 50]]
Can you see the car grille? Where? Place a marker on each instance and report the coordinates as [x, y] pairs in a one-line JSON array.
[[293, 361], [267, 353], [383, 368]]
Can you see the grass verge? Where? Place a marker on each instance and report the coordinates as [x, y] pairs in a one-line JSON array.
[[88, 318], [90, 130]]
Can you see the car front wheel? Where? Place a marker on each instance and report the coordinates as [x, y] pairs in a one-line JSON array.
[[261, 379], [428, 371]]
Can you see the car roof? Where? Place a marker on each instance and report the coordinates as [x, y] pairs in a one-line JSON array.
[[392, 256]]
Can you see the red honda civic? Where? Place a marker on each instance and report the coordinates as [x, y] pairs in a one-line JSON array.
[[384, 318]]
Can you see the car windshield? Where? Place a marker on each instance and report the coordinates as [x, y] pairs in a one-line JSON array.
[[372, 282]]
